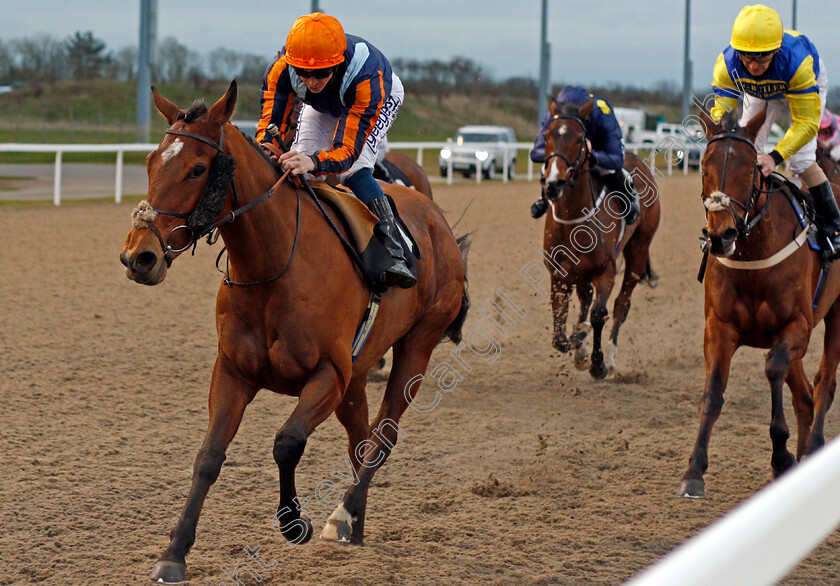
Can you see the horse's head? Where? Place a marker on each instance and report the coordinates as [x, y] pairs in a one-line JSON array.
[[730, 180], [565, 147], [189, 178]]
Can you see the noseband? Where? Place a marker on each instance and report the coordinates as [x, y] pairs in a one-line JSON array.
[[572, 169], [223, 165], [721, 202]]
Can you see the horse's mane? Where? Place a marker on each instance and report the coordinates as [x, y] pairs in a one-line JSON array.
[[729, 122], [196, 111]]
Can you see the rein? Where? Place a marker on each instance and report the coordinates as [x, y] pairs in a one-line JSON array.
[[572, 172]]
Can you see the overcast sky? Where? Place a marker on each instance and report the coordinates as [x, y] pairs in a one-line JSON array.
[[637, 42]]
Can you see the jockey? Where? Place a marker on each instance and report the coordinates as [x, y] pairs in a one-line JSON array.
[[350, 99], [605, 144], [772, 65], [828, 136]]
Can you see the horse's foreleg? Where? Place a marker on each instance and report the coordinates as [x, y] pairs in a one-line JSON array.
[[411, 356], [320, 396], [560, 291], [585, 293], [777, 367], [601, 365], [228, 399], [719, 343], [826, 379], [803, 404]]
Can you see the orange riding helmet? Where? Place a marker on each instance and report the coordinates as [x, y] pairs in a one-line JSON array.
[[316, 41]]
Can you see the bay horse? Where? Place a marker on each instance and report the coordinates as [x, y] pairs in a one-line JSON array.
[[763, 289], [585, 236], [288, 310]]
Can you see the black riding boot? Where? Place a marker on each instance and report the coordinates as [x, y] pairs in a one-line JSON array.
[[539, 207], [622, 183], [828, 216], [398, 273]]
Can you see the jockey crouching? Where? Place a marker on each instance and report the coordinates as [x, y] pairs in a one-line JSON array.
[[772, 65], [350, 99], [603, 141]]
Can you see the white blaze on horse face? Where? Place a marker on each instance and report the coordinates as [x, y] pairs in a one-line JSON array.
[[553, 174], [172, 150]]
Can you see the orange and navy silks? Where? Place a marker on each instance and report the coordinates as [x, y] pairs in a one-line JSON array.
[[792, 75], [355, 95]]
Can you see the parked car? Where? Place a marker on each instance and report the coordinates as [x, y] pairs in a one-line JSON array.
[[484, 147]]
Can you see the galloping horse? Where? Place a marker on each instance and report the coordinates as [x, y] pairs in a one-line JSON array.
[[763, 289], [288, 309], [584, 235]]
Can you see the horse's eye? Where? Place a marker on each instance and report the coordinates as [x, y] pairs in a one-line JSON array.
[[197, 171]]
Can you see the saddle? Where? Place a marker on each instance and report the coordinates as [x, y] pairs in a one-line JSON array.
[[361, 223]]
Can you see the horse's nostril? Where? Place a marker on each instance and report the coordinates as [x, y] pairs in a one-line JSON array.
[[145, 261], [729, 235]]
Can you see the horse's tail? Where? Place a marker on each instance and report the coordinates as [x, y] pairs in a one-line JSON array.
[[453, 331], [649, 277]]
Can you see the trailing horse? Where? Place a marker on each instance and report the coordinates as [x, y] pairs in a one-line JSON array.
[[289, 308], [585, 236], [764, 288]]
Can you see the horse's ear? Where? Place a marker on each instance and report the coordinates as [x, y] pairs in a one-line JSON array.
[[586, 110], [222, 110], [709, 125], [755, 123], [553, 107], [169, 110]]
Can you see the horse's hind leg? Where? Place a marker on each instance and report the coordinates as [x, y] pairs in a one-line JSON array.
[[636, 258], [803, 404], [826, 379], [353, 415], [320, 396], [411, 356], [228, 399], [582, 327]]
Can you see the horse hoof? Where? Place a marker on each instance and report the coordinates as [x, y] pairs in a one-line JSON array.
[[339, 527], [691, 488], [598, 370], [784, 463], [561, 345], [166, 572], [581, 360]]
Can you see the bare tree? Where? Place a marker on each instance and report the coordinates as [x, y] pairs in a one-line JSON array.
[[174, 62], [40, 58], [224, 64], [124, 64]]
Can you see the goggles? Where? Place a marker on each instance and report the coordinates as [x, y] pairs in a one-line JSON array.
[[316, 73], [757, 57]]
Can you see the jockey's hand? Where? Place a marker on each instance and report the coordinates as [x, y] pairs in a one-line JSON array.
[[297, 162], [766, 164]]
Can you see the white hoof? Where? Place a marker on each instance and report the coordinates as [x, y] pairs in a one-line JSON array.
[[339, 526], [609, 358]]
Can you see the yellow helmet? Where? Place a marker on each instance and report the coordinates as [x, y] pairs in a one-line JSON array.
[[316, 41], [757, 29]]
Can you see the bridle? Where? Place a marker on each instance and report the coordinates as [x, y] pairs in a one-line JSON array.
[[572, 168], [196, 234], [743, 224]]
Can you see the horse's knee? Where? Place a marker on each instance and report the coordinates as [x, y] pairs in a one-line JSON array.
[[288, 447], [599, 316], [208, 464], [777, 364]]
